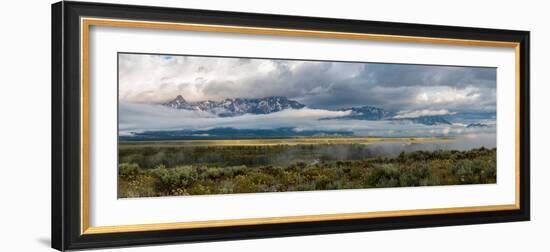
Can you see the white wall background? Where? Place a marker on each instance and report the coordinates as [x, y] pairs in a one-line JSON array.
[[25, 125]]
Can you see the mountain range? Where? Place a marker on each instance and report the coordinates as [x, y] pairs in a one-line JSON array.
[[239, 106]]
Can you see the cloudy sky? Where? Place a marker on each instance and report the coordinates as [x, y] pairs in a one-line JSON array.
[[410, 91], [318, 85]]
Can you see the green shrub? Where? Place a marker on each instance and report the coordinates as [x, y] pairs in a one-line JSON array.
[[415, 175], [170, 179], [386, 175], [129, 171], [243, 184]]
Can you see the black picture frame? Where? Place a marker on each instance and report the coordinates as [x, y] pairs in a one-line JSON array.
[[66, 124]]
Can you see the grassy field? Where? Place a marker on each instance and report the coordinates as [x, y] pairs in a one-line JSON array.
[[282, 141], [195, 167]]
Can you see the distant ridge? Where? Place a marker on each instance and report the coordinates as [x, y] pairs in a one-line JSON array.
[[367, 113], [477, 125], [427, 120], [229, 133]]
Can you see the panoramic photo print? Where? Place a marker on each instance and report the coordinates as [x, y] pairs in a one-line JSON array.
[[196, 125]]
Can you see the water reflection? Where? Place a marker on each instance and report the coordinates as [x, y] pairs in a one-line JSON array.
[[341, 152], [464, 142]]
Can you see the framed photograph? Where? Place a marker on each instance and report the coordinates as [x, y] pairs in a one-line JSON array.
[[182, 125]]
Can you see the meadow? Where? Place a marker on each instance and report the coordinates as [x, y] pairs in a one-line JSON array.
[[198, 167]]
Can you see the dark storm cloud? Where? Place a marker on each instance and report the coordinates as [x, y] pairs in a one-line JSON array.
[[285, 79], [426, 75], [399, 86]]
